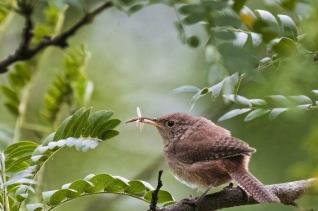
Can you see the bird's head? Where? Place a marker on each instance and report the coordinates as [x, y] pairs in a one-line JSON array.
[[171, 127]]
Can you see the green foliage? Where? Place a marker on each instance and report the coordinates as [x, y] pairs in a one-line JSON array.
[[53, 20], [83, 123], [18, 155], [70, 87], [21, 73], [273, 105], [100, 184], [244, 40], [18, 77], [227, 86], [83, 130]]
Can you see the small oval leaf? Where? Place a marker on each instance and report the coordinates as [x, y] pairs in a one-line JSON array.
[[255, 114], [233, 113]]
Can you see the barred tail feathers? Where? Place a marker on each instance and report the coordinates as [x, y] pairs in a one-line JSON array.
[[253, 186]]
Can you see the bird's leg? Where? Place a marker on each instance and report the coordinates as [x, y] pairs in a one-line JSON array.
[[205, 193]]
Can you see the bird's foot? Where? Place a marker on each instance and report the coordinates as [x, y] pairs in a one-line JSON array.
[[229, 187], [192, 202]]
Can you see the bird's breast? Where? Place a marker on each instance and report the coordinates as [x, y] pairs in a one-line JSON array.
[[199, 174]]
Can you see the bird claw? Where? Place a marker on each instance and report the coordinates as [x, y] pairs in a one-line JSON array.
[[229, 187], [193, 202]]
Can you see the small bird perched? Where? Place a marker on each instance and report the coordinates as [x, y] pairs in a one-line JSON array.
[[203, 154]]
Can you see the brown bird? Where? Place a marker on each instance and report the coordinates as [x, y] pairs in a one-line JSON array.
[[203, 154]]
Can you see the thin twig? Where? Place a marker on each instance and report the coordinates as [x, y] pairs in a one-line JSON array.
[[154, 198], [25, 52]]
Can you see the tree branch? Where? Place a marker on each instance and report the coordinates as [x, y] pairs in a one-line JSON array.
[[154, 199], [231, 197], [25, 52]]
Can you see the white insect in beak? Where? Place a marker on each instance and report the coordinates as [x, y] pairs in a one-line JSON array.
[[139, 123]]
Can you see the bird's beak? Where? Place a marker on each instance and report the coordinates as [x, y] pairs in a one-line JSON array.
[[146, 120]]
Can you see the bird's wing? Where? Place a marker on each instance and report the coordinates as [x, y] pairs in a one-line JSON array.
[[215, 148]]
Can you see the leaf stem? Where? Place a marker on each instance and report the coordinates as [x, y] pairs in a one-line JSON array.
[[22, 112], [237, 89], [6, 205]]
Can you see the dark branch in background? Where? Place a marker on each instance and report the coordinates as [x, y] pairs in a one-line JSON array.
[[231, 197], [25, 52], [154, 198]]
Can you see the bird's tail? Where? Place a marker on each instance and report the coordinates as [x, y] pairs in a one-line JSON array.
[[253, 186]]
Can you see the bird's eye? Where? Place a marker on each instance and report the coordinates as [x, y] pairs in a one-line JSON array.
[[169, 123]]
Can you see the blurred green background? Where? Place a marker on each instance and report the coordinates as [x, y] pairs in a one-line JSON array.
[[138, 60]]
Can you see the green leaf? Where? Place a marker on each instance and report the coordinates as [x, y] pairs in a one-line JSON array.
[[280, 100], [186, 89], [304, 106], [289, 28], [301, 99], [53, 18], [163, 196], [138, 187], [255, 114], [233, 113], [55, 197], [242, 100], [69, 87], [18, 155], [35, 207], [266, 24], [258, 102], [100, 182], [267, 17], [10, 94], [117, 185], [80, 186], [216, 89], [104, 183], [275, 112], [284, 46], [315, 92], [238, 99], [21, 192]]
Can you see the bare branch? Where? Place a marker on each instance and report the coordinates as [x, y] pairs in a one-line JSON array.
[[25, 52], [231, 197], [154, 199]]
